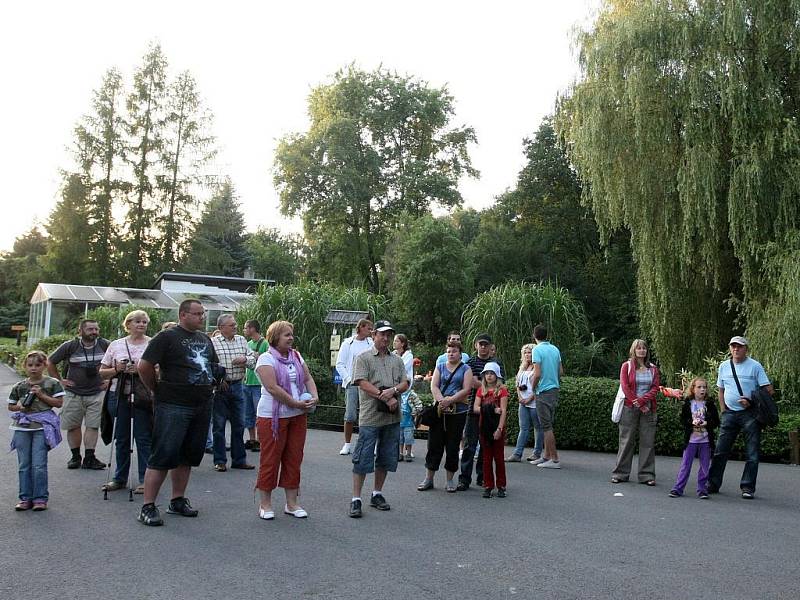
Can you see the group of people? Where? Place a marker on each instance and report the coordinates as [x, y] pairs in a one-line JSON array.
[[167, 391]]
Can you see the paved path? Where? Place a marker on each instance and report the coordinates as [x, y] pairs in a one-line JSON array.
[[559, 534]]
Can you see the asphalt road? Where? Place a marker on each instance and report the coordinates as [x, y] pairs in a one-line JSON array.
[[559, 534]]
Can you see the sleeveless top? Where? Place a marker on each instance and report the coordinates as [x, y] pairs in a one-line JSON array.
[[455, 384]]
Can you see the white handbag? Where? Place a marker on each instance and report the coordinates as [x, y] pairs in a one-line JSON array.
[[619, 402]]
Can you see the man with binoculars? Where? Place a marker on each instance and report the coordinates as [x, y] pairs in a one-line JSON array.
[[84, 390]]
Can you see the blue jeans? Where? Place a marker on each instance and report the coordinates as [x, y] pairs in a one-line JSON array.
[[528, 417], [229, 406], [732, 422], [252, 394], [32, 457], [142, 435]]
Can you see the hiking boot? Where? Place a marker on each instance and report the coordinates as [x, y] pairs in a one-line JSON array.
[[180, 506], [91, 462], [74, 462], [149, 515]]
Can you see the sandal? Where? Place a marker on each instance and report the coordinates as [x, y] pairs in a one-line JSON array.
[[113, 486], [139, 489], [427, 484]]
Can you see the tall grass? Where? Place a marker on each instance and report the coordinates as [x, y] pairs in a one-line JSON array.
[[510, 311], [305, 305]]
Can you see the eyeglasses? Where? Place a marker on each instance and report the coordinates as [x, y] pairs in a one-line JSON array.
[[198, 314]]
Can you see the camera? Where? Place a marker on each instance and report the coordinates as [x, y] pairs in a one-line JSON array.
[[523, 387], [27, 401], [90, 371]]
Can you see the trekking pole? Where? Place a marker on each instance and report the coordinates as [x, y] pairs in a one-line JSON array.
[[113, 444], [130, 442]]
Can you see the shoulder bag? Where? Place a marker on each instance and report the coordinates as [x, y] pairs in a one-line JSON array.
[[763, 404]]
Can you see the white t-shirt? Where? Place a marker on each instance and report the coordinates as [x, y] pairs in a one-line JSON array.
[[524, 378], [264, 408]]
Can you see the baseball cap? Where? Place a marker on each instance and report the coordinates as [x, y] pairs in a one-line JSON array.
[[383, 326], [483, 337], [738, 339]]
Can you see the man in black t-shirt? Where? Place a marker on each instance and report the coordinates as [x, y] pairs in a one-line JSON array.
[[483, 345], [188, 367]]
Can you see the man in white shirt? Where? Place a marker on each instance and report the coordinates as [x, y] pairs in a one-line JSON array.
[[348, 351]]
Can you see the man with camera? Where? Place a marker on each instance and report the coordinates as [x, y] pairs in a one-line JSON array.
[[381, 378], [84, 391]]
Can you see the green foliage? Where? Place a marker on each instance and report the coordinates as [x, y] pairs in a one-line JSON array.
[[429, 277], [427, 354], [13, 313], [218, 241], [276, 256], [379, 148], [66, 258], [509, 313], [683, 127], [305, 305], [21, 271]]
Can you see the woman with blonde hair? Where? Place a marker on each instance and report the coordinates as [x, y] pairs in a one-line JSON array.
[[528, 417], [119, 364], [288, 394], [639, 379]]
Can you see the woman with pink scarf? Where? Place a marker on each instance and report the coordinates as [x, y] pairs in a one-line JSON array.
[[288, 394]]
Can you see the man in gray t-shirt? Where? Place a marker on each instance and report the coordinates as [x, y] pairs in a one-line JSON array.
[[84, 391], [381, 378]]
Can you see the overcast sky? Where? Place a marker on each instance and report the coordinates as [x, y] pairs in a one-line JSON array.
[[255, 63]]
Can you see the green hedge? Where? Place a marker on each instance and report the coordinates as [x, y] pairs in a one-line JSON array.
[[583, 421]]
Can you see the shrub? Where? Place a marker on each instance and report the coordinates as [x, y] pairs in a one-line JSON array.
[[110, 319]]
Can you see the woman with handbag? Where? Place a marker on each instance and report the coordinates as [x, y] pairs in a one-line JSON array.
[[451, 386], [119, 365], [639, 379]]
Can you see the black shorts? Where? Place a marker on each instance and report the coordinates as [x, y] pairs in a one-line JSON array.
[[179, 435]]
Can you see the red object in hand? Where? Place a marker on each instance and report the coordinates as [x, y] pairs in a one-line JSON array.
[[417, 362]]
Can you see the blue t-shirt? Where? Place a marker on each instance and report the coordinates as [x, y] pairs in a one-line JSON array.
[[751, 376], [443, 358], [548, 358]]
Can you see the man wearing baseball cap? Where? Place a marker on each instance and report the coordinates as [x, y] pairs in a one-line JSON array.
[[381, 378], [737, 415]]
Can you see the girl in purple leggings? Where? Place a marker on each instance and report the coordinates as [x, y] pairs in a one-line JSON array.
[[699, 417]]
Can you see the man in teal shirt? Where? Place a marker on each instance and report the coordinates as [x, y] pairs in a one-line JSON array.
[[546, 383], [252, 386]]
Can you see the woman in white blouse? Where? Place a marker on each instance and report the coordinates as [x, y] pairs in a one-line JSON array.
[[527, 410], [288, 394]]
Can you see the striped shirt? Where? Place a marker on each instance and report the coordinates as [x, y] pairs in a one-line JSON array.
[[227, 350]]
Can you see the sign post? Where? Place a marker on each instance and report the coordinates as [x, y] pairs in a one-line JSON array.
[[19, 329]]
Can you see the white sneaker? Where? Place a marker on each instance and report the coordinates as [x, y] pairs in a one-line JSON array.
[[537, 461], [550, 464], [345, 449]]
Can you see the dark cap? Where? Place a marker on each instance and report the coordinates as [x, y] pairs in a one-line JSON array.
[[483, 337], [383, 326]]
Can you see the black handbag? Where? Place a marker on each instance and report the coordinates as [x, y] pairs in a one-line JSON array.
[[762, 402]]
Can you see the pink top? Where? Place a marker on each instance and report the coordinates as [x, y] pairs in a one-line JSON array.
[[117, 351]]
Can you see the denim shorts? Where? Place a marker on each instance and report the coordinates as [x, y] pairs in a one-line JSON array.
[[546, 403], [351, 404], [407, 436], [179, 435], [386, 439]]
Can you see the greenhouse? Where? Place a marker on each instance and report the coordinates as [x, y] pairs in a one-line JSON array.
[[56, 308]]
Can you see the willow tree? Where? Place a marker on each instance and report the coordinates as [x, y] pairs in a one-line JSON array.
[[683, 124]]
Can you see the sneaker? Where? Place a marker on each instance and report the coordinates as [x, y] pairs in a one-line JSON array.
[[513, 458], [462, 487], [379, 502], [702, 496], [401, 458], [91, 462], [149, 515], [501, 492], [39, 505], [487, 493], [537, 461], [411, 454], [425, 485], [23, 505], [74, 462], [533, 457], [748, 495], [209, 450], [248, 445], [345, 449], [409, 457], [675, 494], [180, 506], [550, 464], [355, 508]]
